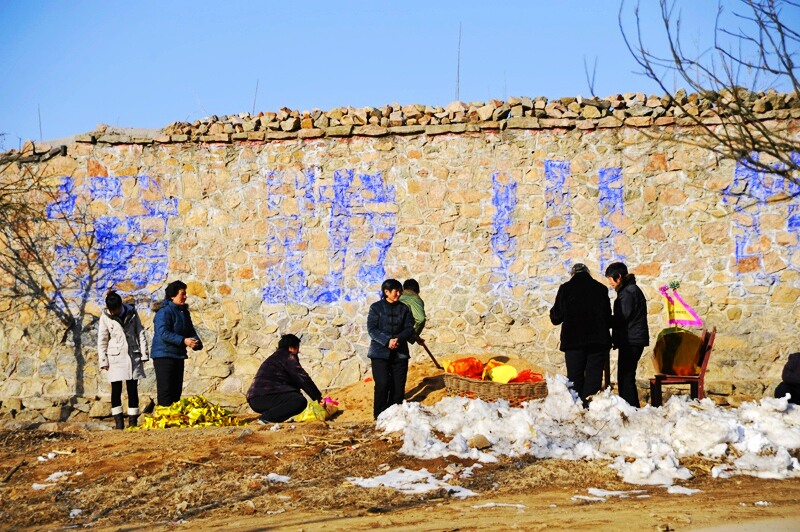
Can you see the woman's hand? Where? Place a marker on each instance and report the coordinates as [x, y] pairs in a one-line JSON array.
[[393, 343], [190, 342]]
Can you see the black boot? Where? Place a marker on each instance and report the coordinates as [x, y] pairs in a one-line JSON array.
[[133, 421], [119, 421]]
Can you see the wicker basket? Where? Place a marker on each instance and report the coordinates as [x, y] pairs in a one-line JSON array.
[[513, 392]]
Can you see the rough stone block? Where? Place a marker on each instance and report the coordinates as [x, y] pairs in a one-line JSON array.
[[522, 122]]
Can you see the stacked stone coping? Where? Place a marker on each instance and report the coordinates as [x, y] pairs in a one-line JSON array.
[[620, 110]]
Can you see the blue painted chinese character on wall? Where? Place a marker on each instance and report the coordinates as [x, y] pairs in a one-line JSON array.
[[611, 204], [360, 230], [112, 250]]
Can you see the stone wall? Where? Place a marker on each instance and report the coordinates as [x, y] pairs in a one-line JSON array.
[[289, 221]]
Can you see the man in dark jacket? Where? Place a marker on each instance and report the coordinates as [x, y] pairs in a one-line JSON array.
[[583, 309], [275, 392], [791, 380]]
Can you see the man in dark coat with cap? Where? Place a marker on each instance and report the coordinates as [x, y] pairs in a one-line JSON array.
[[583, 309]]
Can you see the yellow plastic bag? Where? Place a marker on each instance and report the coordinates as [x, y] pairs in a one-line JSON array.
[[488, 367], [194, 411], [502, 373], [313, 412]]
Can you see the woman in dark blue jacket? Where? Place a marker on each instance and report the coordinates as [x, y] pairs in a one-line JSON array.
[[174, 332], [629, 331], [390, 326], [276, 389]]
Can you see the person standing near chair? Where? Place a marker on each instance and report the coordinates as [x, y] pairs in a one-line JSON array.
[[416, 305], [583, 309], [122, 352], [629, 331], [390, 326], [174, 332], [790, 380]]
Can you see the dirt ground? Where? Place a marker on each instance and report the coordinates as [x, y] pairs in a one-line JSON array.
[[216, 477]]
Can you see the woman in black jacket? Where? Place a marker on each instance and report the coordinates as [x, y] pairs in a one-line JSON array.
[[276, 389], [390, 326], [629, 331]]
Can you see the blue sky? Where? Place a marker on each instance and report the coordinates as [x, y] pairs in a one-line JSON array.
[[146, 63]]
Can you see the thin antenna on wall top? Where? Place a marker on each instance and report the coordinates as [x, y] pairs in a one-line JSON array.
[[39, 110], [458, 64], [254, 99]]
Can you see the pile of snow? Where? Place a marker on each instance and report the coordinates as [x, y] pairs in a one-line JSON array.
[[645, 445]]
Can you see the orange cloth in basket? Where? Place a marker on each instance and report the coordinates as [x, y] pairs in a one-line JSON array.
[[466, 367], [527, 375]]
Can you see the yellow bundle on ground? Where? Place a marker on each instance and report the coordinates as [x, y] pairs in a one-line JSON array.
[[195, 411]]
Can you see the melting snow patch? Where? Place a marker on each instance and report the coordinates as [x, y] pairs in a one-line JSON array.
[[600, 495], [645, 445], [587, 498], [408, 481], [621, 494], [58, 475], [273, 478], [680, 490]]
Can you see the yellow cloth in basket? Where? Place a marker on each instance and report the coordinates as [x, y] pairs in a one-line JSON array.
[[502, 373]]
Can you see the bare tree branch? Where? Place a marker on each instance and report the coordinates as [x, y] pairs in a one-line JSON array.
[[734, 84]]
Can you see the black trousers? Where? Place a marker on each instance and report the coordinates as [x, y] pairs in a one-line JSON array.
[[627, 363], [278, 407], [133, 393], [389, 376], [169, 379], [585, 370], [784, 388]]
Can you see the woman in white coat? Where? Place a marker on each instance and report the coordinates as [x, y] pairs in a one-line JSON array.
[[122, 351]]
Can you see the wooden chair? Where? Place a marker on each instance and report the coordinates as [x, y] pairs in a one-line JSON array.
[[697, 382]]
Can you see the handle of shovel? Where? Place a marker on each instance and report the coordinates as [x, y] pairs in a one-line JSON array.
[[439, 366]]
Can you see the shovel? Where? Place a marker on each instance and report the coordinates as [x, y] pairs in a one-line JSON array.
[[435, 363]]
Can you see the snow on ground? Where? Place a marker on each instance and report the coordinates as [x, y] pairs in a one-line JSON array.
[[409, 481], [645, 445]]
